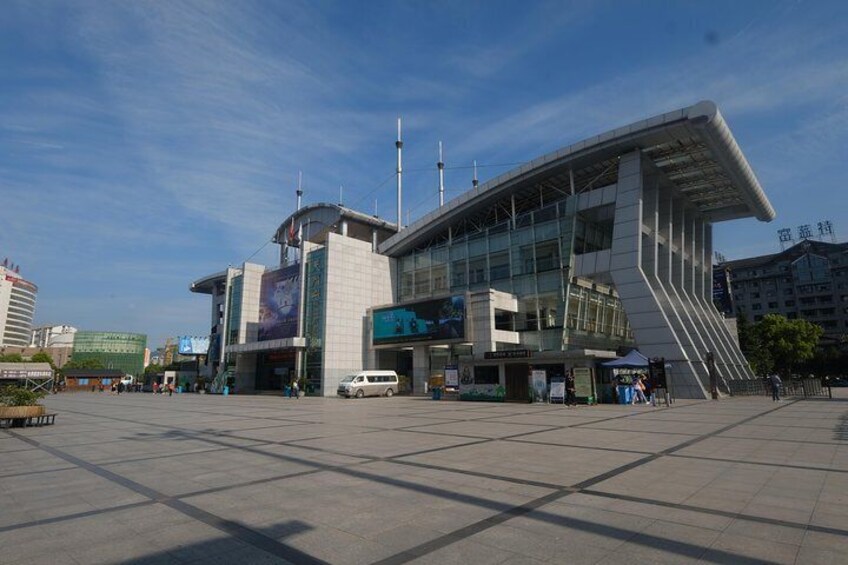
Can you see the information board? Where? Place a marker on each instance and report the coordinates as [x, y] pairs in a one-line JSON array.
[[451, 376], [539, 381], [583, 382], [557, 393]]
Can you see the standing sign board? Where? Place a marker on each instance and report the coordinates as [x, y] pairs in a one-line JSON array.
[[583, 385], [557, 393], [539, 383], [451, 377]]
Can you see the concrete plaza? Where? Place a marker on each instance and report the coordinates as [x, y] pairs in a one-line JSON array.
[[250, 479]]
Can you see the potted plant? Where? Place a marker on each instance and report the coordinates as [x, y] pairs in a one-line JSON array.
[[18, 403]]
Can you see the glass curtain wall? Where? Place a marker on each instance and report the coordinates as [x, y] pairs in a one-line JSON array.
[[529, 258]]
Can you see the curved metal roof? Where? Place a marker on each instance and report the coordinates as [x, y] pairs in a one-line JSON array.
[[693, 147]]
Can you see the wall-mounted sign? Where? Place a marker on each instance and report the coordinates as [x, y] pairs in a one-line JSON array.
[[442, 319], [509, 354], [279, 301]]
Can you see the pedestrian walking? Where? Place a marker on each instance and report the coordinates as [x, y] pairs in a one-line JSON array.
[[775, 381], [296, 389], [639, 390], [170, 389], [570, 389]]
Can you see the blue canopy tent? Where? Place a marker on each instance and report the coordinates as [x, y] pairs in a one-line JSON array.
[[633, 360]]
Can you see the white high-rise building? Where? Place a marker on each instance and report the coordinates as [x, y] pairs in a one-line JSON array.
[[53, 336], [17, 307]]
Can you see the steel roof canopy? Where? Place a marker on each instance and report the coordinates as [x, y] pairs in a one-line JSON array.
[[693, 146]]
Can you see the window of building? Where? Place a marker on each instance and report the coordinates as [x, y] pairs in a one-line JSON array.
[[486, 375], [477, 270], [788, 291], [792, 315], [790, 303], [499, 266], [755, 295], [772, 304], [422, 281], [757, 318], [458, 277], [504, 320], [547, 256], [756, 306], [440, 278]]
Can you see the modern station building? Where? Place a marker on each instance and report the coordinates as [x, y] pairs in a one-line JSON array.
[[597, 247]]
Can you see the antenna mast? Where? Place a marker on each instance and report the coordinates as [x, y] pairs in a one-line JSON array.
[[399, 145], [441, 166]]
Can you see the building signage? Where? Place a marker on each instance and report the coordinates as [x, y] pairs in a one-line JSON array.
[[442, 319], [24, 374], [194, 344], [721, 290], [557, 389], [279, 301], [509, 354]]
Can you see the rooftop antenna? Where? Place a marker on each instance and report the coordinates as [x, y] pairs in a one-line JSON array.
[[375, 207], [341, 195], [441, 166], [399, 145], [299, 189], [474, 181]]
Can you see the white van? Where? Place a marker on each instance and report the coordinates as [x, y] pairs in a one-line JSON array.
[[369, 383]]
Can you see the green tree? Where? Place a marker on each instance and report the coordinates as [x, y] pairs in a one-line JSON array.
[[42, 357], [782, 344], [84, 364], [11, 358], [153, 369]]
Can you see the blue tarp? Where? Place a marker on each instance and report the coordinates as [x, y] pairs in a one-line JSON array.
[[633, 360]]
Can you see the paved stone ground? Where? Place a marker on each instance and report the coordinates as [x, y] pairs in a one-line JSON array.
[[209, 479]]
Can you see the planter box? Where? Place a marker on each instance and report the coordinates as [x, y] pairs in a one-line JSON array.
[[8, 412]]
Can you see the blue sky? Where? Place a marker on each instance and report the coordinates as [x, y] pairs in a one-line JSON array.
[[145, 144]]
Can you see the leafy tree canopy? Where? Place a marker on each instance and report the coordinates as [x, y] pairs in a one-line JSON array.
[[84, 364], [41, 357], [11, 358], [782, 344], [153, 369]]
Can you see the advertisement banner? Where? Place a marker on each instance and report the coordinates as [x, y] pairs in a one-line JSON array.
[[279, 301], [194, 345], [540, 384], [442, 319], [451, 376]]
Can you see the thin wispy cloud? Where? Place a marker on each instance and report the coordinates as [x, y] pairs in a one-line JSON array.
[[146, 144]]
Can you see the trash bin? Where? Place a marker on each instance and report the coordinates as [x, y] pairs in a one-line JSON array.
[[625, 394], [437, 393], [226, 390]]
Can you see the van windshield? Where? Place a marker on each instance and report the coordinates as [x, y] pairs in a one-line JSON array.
[[348, 378]]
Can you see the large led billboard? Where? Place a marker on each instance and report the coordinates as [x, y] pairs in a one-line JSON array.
[[441, 319], [279, 301], [194, 344]]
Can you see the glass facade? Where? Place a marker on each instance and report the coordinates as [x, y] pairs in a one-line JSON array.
[[528, 257], [115, 350], [313, 326]]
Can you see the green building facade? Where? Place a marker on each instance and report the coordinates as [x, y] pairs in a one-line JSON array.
[[116, 350]]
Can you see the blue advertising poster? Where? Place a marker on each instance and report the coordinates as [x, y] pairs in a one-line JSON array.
[[194, 345], [279, 301], [442, 319]]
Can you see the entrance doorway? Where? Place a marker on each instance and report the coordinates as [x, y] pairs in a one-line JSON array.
[[517, 386], [274, 370]]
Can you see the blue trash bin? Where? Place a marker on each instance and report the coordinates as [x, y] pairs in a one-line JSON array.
[[437, 393], [226, 390], [625, 394]]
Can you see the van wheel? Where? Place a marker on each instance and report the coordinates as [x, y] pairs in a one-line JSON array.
[[360, 393], [389, 393]]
